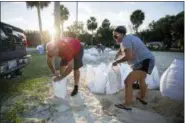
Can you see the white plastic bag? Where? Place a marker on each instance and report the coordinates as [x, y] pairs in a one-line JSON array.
[[60, 88], [172, 81]]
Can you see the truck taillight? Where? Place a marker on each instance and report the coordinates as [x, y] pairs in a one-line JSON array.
[[25, 43]]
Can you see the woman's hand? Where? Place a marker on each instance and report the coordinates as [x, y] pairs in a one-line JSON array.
[[114, 63]]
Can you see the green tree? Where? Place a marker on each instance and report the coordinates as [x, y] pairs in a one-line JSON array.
[[164, 26], [64, 15], [105, 23], [137, 18], [168, 29], [104, 33], [92, 25], [69, 34], [38, 5], [33, 37], [85, 37], [77, 27], [178, 29]]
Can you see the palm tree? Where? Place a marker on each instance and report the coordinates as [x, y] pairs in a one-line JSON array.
[[64, 14], [137, 18], [38, 5], [92, 25], [106, 23]]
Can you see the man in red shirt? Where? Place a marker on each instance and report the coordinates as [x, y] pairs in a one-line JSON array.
[[71, 53]]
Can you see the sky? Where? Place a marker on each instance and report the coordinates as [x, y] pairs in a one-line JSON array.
[[118, 13]]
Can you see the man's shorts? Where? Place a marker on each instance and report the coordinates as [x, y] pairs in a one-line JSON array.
[[78, 59], [146, 65]]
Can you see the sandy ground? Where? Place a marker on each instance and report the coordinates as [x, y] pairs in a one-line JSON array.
[[87, 108]]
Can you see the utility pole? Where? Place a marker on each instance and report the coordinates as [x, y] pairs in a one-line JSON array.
[[57, 19], [76, 18]]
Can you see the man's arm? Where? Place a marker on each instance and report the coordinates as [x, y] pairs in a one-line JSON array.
[[118, 54], [50, 65], [128, 56], [66, 70]]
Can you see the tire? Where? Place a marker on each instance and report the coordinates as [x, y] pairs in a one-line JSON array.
[[18, 72]]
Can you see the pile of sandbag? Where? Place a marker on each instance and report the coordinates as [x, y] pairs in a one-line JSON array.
[[102, 79], [109, 80], [172, 81], [91, 54]]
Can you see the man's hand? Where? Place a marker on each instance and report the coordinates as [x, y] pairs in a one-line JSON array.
[[57, 78], [114, 63], [56, 73]]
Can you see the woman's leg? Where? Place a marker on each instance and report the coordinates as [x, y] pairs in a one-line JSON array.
[[143, 86], [131, 78]]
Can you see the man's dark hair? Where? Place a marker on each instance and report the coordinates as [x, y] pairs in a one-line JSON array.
[[121, 29]]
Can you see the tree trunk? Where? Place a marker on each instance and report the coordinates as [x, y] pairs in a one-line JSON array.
[[57, 20], [92, 38], [40, 23], [62, 27], [136, 30]]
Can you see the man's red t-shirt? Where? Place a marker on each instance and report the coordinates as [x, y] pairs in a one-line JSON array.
[[68, 48]]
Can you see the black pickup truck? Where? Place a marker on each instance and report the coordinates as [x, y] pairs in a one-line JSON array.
[[13, 55]]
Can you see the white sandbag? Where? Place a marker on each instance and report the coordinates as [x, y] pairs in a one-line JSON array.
[[107, 49], [112, 52], [40, 49], [93, 51], [60, 88], [105, 80], [125, 70], [90, 57], [98, 78], [151, 80], [90, 74], [113, 84], [172, 81]]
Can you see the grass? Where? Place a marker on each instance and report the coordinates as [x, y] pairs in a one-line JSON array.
[[34, 76], [35, 72]]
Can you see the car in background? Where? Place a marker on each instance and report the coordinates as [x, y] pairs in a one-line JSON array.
[[13, 55]]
